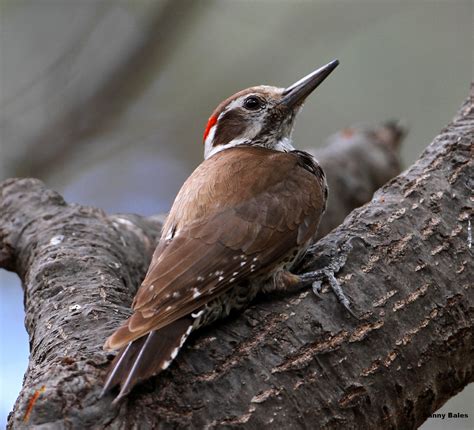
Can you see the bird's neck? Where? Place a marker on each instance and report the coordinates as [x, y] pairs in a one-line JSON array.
[[284, 144]]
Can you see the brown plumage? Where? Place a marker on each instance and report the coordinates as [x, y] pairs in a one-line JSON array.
[[239, 221], [276, 211]]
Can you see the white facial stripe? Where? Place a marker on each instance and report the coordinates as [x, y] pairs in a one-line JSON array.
[[239, 102], [252, 130], [231, 144], [208, 142], [283, 145], [233, 104]]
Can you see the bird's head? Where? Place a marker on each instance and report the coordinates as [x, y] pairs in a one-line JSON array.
[[261, 116]]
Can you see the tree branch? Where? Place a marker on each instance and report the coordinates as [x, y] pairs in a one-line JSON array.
[[287, 361], [357, 162]]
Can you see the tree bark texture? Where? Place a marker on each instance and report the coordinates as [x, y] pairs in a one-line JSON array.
[[357, 162], [297, 361]]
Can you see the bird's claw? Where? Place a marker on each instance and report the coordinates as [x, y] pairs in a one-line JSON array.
[[317, 287], [317, 277]]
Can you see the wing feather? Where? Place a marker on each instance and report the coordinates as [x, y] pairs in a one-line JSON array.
[[224, 241]]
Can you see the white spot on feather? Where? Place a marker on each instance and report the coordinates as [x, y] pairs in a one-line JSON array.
[[220, 278], [166, 364], [185, 336], [176, 294], [168, 308], [171, 233], [197, 314], [174, 353], [196, 293], [200, 278]]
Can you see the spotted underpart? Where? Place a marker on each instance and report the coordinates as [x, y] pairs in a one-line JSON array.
[[243, 293], [235, 299]]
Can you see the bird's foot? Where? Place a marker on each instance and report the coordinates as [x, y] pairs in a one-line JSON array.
[[332, 263], [317, 277]]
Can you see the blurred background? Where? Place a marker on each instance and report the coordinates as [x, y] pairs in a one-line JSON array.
[[106, 101]]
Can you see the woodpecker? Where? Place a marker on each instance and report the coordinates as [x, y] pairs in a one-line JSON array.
[[238, 224]]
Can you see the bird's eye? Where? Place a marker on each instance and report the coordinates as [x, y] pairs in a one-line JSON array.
[[253, 103]]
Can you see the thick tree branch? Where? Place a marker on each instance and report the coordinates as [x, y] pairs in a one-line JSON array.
[[357, 162], [293, 362]]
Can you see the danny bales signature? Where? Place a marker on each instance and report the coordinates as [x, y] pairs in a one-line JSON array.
[[449, 415]]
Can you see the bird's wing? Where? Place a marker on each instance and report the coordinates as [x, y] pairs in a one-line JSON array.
[[206, 256]]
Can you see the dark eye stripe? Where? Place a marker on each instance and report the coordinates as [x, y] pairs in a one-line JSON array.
[[230, 126]]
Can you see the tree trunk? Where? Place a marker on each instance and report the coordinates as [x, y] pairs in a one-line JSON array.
[[296, 361]]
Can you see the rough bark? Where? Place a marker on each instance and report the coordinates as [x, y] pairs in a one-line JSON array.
[[357, 162], [289, 361]]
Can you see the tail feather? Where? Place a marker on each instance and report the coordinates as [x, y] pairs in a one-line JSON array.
[[147, 356], [122, 361]]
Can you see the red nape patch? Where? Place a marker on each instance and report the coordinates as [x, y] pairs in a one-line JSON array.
[[211, 123]]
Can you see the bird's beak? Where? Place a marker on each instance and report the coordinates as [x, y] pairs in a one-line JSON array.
[[296, 94]]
